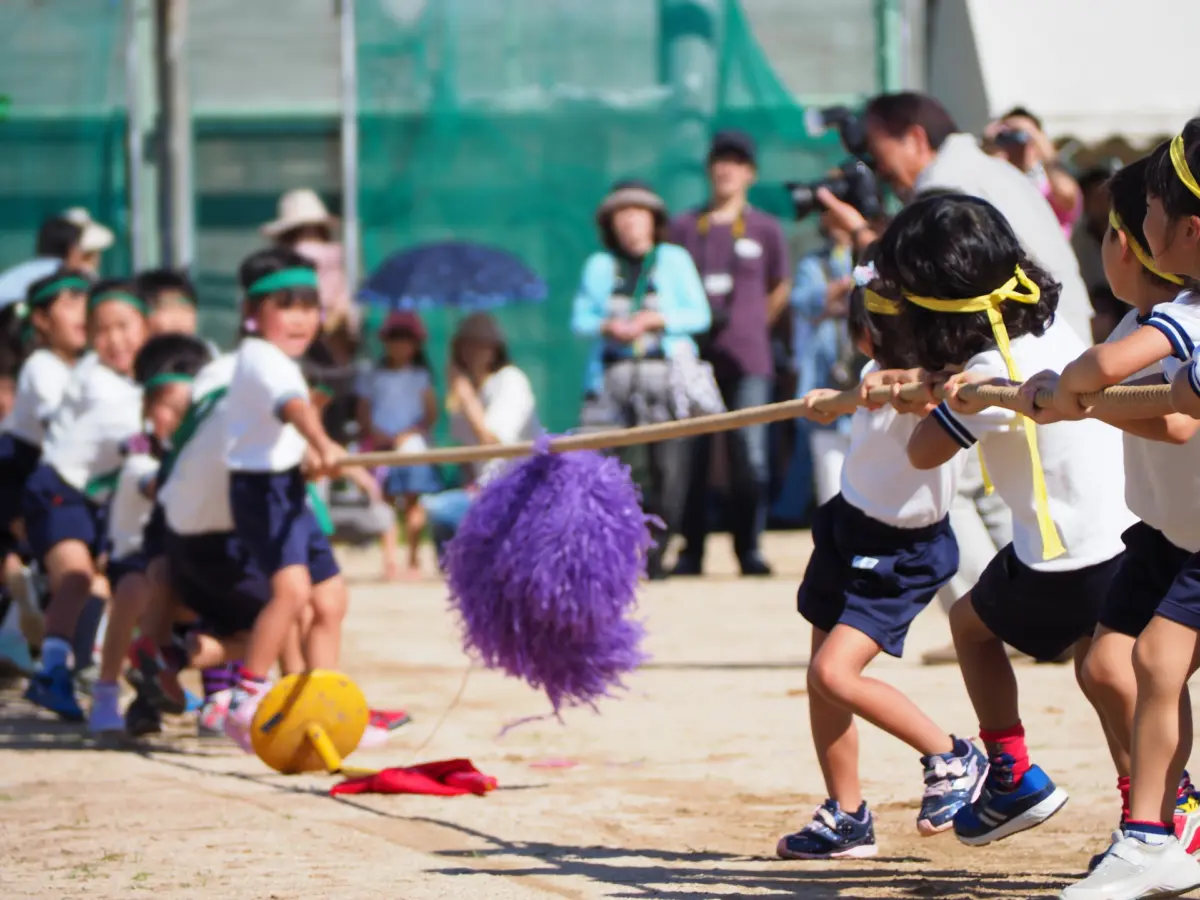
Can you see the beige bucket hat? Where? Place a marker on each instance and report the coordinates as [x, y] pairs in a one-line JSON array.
[[296, 209]]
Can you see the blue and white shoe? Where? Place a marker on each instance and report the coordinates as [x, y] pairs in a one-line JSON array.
[[952, 780], [832, 834], [55, 690], [1004, 809]]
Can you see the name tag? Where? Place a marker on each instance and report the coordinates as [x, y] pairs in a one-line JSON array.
[[747, 248], [718, 284], [864, 562]]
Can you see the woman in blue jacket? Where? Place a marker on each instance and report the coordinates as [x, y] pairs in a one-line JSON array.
[[641, 300]]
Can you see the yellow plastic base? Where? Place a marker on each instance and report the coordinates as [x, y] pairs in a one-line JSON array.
[[309, 722]]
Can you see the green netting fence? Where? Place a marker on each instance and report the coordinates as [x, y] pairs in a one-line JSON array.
[[505, 121], [62, 119]]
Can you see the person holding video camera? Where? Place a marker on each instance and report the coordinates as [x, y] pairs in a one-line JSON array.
[[1017, 136], [742, 256]]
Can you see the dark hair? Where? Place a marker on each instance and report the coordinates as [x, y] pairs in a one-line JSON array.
[[1024, 114], [608, 237], [420, 359], [170, 354], [899, 112], [1127, 197], [36, 286], [107, 285], [153, 283], [1163, 182], [953, 247], [57, 237], [12, 343], [269, 261], [1095, 177]]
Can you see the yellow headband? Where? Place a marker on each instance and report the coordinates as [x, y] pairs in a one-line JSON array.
[[880, 305], [1052, 545], [1142, 256], [1179, 161]]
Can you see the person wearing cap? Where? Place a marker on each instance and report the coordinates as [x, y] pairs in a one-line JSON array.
[[396, 410], [742, 256], [640, 300], [490, 401], [305, 225], [70, 240]]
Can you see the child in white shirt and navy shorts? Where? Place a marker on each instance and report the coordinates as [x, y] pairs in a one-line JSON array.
[[272, 430]]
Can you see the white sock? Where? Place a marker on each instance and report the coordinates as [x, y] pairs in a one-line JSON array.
[[55, 652]]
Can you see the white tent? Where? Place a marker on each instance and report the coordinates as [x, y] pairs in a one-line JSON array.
[[1091, 69]]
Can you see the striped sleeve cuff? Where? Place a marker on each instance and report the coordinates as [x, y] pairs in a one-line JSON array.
[[1181, 343], [1194, 376], [284, 401], [954, 428]]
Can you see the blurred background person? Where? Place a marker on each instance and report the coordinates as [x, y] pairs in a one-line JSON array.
[[1017, 136], [1087, 239], [641, 300], [69, 240], [490, 401], [823, 356], [742, 256]]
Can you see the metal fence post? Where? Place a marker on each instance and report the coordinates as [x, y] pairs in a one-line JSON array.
[[349, 90]]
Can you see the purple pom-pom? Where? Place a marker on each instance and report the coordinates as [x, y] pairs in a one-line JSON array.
[[544, 570]]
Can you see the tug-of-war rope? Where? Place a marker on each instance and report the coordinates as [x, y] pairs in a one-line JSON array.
[[1127, 401]]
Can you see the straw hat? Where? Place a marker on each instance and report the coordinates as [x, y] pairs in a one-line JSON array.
[[296, 209]]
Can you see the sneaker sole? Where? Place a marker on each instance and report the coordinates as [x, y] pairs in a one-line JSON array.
[[1031, 818], [863, 851]]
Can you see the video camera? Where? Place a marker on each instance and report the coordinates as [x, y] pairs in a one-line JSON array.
[[855, 182]]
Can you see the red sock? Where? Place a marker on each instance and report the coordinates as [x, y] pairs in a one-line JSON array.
[[1123, 787], [1011, 741], [249, 682]]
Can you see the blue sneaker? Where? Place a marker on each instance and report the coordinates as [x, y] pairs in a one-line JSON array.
[[1003, 809], [55, 690], [952, 780], [832, 834]]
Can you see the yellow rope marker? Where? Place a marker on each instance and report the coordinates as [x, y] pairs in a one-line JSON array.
[[310, 723]]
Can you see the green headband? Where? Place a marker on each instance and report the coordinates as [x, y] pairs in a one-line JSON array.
[[167, 378], [57, 286], [122, 296], [297, 277], [324, 389]]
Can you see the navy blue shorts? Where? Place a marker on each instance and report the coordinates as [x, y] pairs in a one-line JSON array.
[[1182, 601], [871, 576], [54, 512], [1042, 614], [210, 575], [18, 459], [275, 526], [1148, 567], [154, 535], [133, 564]]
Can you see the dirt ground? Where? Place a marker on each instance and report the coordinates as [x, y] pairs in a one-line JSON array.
[[679, 789]]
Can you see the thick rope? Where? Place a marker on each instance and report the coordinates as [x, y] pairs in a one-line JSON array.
[[1126, 401]]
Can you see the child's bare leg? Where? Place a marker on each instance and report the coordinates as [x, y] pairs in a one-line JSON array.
[[207, 652], [837, 674], [987, 673], [389, 543], [69, 568], [130, 598], [291, 661], [16, 579], [323, 642], [1164, 657], [1107, 678], [290, 590], [414, 528], [835, 737]]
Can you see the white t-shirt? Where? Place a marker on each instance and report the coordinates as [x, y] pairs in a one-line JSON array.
[[509, 411], [195, 497], [130, 506], [878, 478], [962, 166], [397, 397], [1162, 481], [40, 386], [100, 410], [1083, 462], [264, 379]]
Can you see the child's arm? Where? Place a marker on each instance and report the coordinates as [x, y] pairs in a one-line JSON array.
[[1111, 363], [430, 404], [1185, 390], [301, 414], [956, 422]]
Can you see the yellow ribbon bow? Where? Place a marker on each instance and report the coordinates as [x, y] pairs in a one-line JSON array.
[[1179, 161], [1052, 545], [1142, 256]]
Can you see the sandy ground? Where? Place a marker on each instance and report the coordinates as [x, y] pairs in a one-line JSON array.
[[678, 790]]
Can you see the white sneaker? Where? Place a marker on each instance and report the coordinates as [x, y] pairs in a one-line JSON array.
[[1132, 869], [240, 718], [105, 716]]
